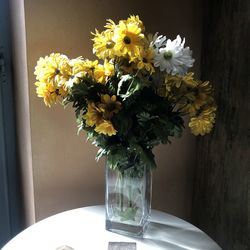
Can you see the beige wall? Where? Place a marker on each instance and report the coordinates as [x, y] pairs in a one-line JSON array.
[[65, 173]]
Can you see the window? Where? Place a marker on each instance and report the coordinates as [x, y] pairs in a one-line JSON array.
[[10, 195]]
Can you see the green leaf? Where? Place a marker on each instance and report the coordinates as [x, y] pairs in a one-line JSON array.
[[123, 123], [145, 117], [128, 85], [101, 152], [146, 156]]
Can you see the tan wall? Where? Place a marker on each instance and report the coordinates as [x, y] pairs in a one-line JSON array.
[[64, 169]]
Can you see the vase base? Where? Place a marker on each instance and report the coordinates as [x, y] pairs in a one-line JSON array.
[[126, 229]]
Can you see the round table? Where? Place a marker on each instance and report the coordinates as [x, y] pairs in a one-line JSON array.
[[84, 228]]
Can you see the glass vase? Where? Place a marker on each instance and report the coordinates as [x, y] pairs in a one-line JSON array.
[[128, 200]]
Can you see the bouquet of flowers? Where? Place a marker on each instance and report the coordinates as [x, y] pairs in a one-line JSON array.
[[134, 97]]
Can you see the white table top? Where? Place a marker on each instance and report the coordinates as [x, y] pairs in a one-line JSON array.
[[84, 228]]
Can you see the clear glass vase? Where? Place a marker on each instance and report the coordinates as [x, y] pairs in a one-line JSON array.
[[128, 200]]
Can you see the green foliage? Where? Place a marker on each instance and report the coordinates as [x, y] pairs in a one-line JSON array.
[[82, 92], [145, 120], [140, 127], [128, 85]]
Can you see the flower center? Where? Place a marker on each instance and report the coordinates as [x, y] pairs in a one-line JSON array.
[[110, 44], [168, 55], [145, 60], [127, 40], [57, 71]]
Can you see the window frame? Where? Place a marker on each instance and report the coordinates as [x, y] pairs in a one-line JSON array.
[[10, 194]]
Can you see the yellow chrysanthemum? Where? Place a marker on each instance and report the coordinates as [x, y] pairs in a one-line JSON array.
[[102, 72], [53, 68], [174, 83], [93, 116], [173, 88], [187, 104], [49, 92], [78, 71], [128, 39], [203, 123], [104, 44], [109, 68], [63, 91], [189, 80], [146, 60], [99, 115], [99, 74], [129, 67], [204, 94], [110, 25], [106, 128], [199, 96], [135, 20], [89, 66], [191, 94], [109, 106]]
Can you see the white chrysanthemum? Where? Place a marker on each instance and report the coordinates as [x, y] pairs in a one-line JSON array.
[[173, 57], [158, 41]]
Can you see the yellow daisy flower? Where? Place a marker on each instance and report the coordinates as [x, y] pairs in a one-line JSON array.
[[102, 72], [129, 67], [175, 82], [63, 92], [53, 68], [93, 115], [109, 68], [99, 115], [78, 71], [109, 106], [89, 66], [203, 123], [187, 104], [49, 92], [128, 39], [189, 80], [99, 74], [78, 66], [104, 44], [190, 93], [136, 20], [146, 60], [204, 94], [110, 25], [197, 97], [172, 84], [106, 128]]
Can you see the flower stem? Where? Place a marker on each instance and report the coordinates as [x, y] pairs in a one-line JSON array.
[[121, 177]]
